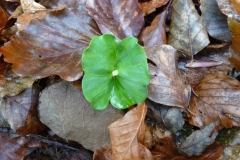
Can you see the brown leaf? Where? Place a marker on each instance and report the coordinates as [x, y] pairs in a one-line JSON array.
[[216, 97], [234, 27], [52, 45], [104, 153], [149, 6], [30, 6], [168, 86], [4, 17], [79, 4], [15, 148], [128, 133], [120, 18], [155, 34], [166, 149], [229, 8], [214, 20], [187, 32], [21, 111], [65, 111], [10, 83]]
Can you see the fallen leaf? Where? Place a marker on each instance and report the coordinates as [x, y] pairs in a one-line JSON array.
[[4, 17], [127, 135], [52, 45], [236, 5], [30, 6], [21, 111], [156, 34], [8, 6], [168, 117], [149, 6], [214, 20], [166, 149], [15, 148], [79, 4], [187, 32], [104, 153], [10, 83], [229, 8], [168, 86], [216, 97], [63, 108], [120, 18], [234, 27], [207, 63], [198, 141]]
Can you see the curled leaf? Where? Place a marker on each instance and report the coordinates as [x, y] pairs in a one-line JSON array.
[[198, 64]]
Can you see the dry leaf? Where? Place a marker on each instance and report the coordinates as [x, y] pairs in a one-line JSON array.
[[65, 111], [10, 83], [216, 98], [127, 135], [150, 5], [21, 111], [214, 20], [186, 29], [104, 153], [30, 6], [234, 27], [4, 17], [120, 18], [156, 34], [51, 45], [167, 86], [198, 141], [229, 8]]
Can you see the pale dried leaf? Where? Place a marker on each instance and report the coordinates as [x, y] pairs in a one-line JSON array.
[[125, 137], [186, 28], [214, 20], [120, 18], [30, 6], [168, 86], [216, 97]]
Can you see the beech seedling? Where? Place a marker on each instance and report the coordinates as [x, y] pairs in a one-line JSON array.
[[114, 71]]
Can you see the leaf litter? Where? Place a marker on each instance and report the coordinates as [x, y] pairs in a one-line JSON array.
[[50, 40]]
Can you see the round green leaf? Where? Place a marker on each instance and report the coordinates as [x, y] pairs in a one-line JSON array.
[[114, 71]]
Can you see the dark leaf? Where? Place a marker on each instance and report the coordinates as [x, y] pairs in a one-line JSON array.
[[120, 18]]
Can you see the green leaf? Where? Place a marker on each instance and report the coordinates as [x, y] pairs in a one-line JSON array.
[[114, 71]]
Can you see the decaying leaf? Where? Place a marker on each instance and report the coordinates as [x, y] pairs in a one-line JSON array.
[[30, 6], [150, 5], [198, 141], [166, 149], [216, 97], [187, 32], [10, 83], [207, 63], [67, 113], [166, 116], [4, 17], [214, 20], [51, 45], [120, 18], [69, 3], [230, 8], [104, 153], [234, 27], [128, 134], [156, 34], [168, 86], [21, 111]]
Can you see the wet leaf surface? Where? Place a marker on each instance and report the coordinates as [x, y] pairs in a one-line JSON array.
[[120, 18], [67, 113], [214, 20], [215, 98], [186, 28], [156, 34], [149, 6], [168, 86], [128, 135], [52, 45], [20, 111]]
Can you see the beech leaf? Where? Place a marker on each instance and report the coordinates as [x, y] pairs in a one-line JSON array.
[[4, 17], [186, 29], [120, 18], [198, 141], [127, 135], [149, 6], [30, 6], [214, 20], [168, 86], [156, 34], [216, 98], [230, 8], [51, 45]]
